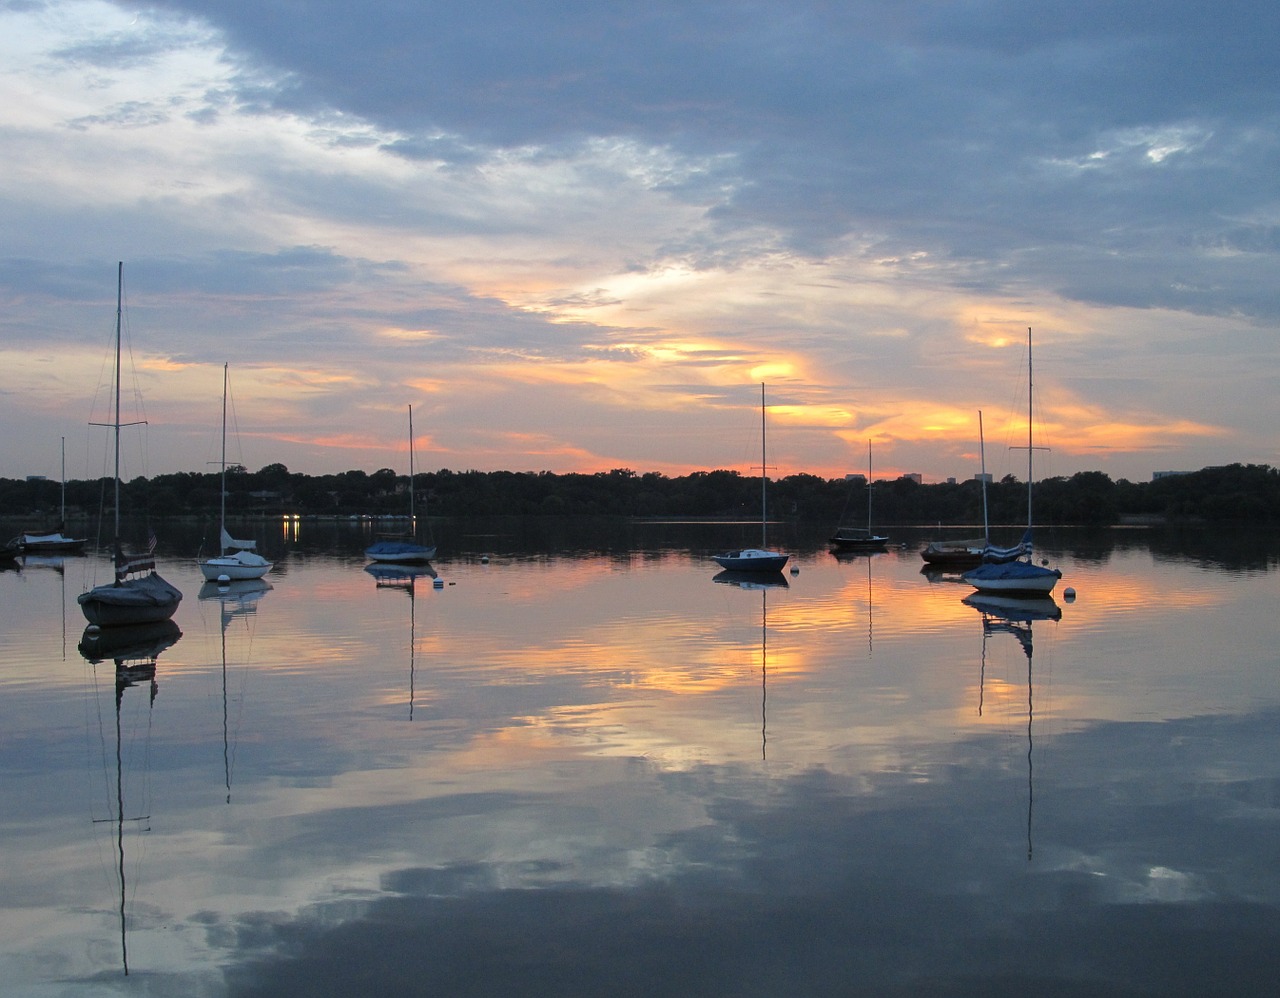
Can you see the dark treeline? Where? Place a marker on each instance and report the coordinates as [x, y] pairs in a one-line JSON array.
[[1234, 493]]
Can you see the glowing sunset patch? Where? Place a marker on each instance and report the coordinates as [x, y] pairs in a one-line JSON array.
[[407, 335], [341, 441]]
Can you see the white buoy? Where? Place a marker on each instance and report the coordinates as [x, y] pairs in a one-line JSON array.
[[795, 569], [223, 579], [1069, 594], [484, 559]]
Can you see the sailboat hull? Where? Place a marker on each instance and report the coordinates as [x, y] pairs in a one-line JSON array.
[[1013, 578], [235, 567], [399, 552], [143, 600], [856, 539], [954, 554], [52, 544], [752, 560]]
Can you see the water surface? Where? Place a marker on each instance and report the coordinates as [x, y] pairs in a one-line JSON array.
[[581, 765]]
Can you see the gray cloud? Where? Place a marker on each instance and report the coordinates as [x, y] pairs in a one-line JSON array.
[[938, 128]]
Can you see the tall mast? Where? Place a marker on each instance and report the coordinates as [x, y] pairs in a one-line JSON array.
[[119, 310], [222, 518], [1029, 413], [413, 513], [868, 488], [982, 453], [764, 477], [63, 509]]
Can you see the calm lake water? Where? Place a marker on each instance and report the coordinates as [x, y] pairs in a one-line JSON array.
[[586, 767]]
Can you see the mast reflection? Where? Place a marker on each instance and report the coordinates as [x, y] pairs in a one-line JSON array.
[[1012, 615], [762, 582], [237, 600], [403, 578], [134, 651]]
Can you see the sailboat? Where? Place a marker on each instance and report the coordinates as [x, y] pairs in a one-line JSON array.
[[403, 549], [848, 539], [54, 541], [973, 551], [1017, 575], [133, 597], [759, 559], [238, 559]]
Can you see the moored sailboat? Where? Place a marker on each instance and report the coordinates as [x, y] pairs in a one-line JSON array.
[[855, 539], [403, 549], [238, 560], [1016, 575], [54, 541], [971, 552], [138, 594], [759, 559]]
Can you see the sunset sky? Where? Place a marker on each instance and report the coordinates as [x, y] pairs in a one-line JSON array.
[[577, 236]]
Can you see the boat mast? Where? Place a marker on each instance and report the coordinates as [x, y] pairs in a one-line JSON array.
[[116, 424], [982, 454], [413, 513], [63, 503], [222, 515], [868, 488], [764, 477], [1030, 389], [119, 310]]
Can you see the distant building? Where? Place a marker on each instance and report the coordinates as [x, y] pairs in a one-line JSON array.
[[951, 480], [983, 476], [1167, 474], [856, 478], [37, 478], [915, 476]]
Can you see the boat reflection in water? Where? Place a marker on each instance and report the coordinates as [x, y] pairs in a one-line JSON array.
[[1012, 615], [751, 580], [134, 650], [404, 578], [237, 600]]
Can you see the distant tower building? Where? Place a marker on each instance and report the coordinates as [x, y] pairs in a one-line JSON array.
[[983, 476], [951, 480], [915, 476], [1167, 474], [856, 478]]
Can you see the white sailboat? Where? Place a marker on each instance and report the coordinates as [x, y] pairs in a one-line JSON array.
[[54, 541], [138, 594], [1018, 576], [238, 560], [403, 549], [759, 559]]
